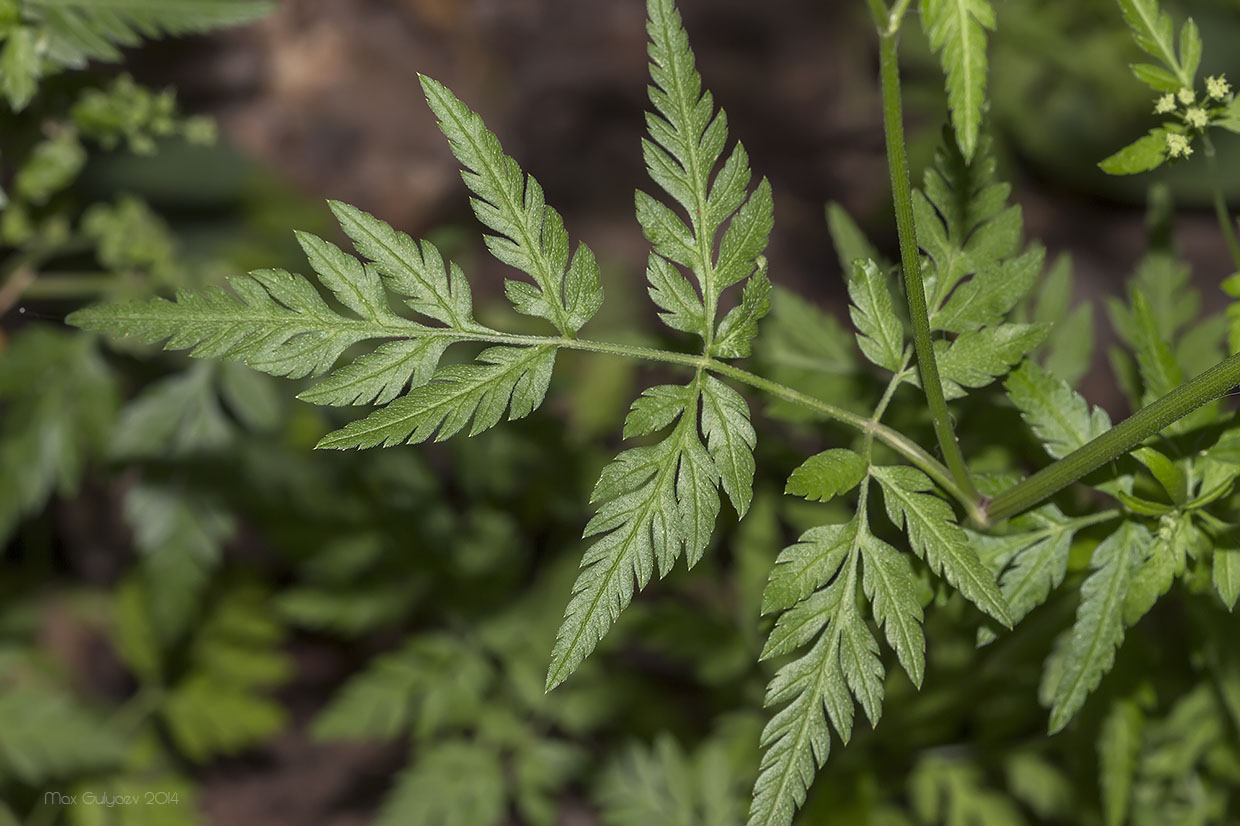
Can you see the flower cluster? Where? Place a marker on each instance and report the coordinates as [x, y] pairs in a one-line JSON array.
[[1194, 115]]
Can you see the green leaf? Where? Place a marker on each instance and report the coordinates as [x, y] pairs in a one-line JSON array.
[[977, 358], [880, 333], [739, 327], [273, 321], [850, 242], [730, 439], [935, 537], [1226, 574], [454, 783], [957, 33], [797, 740], [1142, 155], [1058, 416], [1156, 77], [1031, 563], [1159, 372], [893, 590], [656, 408], [687, 137], [509, 380], [52, 165], [19, 66], [1099, 627], [207, 718], [988, 296], [827, 475], [45, 736], [1168, 474], [58, 400], [180, 537], [78, 31], [654, 502], [803, 568], [664, 785], [430, 684], [1154, 33], [530, 235], [1119, 747]]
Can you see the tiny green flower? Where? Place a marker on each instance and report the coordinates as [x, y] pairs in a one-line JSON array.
[[1196, 117], [1218, 87], [1165, 104], [1178, 146], [1187, 97]]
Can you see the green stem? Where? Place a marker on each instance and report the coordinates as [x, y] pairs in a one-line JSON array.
[[1220, 203], [1117, 441], [910, 257]]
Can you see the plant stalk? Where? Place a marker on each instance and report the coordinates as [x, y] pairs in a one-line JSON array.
[[910, 257], [1117, 441]]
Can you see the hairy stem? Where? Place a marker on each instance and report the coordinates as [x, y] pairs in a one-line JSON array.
[[1225, 221], [1117, 441], [910, 257]]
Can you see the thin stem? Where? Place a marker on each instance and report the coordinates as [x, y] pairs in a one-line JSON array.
[[1117, 441], [1220, 203], [897, 441], [910, 257]]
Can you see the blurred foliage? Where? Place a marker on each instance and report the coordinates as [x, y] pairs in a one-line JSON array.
[[176, 554]]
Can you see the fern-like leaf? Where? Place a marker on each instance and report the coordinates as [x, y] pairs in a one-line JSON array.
[[687, 140], [530, 235], [655, 502], [934, 536], [1099, 627], [78, 31], [957, 32], [505, 379]]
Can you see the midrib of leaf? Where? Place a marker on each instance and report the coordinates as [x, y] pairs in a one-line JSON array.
[[962, 13], [545, 278], [465, 389], [816, 697], [312, 323], [637, 524], [1167, 49], [699, 184], [1118, 581]]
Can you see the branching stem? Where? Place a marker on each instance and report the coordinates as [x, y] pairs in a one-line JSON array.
[[1117, 441]]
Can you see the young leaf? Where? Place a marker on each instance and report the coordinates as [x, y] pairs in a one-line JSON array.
[[1057, 414], [935, 537], [1142, 155], [957, 32], [1099, 627], [977, 358], [826, 475], [880, 333], [1155, 34], [850, 242], [530, 235], [687, 140]]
